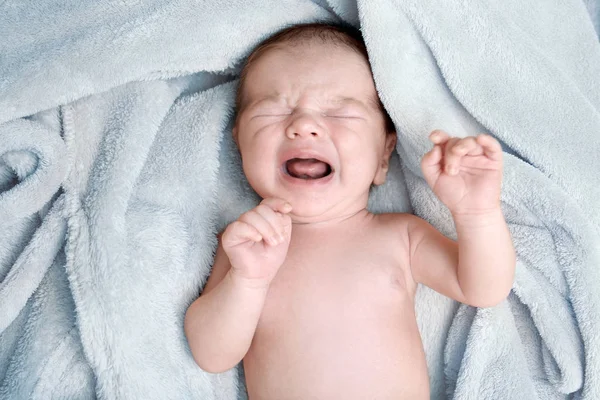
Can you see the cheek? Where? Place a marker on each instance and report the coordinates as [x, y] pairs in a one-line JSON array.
[[253, 160], [257, 145], [359, 165], [259, 157], [358, 149]]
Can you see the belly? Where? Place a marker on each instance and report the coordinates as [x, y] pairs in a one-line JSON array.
[[346, 340]]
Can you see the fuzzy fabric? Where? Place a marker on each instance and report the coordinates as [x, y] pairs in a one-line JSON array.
[[117, 169]]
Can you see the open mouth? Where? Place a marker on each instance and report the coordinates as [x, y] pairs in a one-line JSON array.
[[307, 168]]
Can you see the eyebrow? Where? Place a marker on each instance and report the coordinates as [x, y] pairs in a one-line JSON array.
[[349, 101], [274, 98]]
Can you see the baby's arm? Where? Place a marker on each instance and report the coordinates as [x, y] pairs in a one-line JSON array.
[[221, 323], [478, 269]]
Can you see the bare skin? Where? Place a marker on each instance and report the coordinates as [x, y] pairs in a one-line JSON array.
[[314, 293], [339, 323]]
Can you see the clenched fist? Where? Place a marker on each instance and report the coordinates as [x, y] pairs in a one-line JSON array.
[[257, 243], [464, 173]]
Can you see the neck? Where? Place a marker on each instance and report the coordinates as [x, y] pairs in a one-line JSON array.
[[329, 222], [338, 212]]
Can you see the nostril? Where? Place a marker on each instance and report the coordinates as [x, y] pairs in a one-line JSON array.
[[314, 133]]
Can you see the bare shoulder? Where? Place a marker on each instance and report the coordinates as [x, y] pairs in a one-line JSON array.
[[402, 222], [394, 228], [401, 230], [396, 222]]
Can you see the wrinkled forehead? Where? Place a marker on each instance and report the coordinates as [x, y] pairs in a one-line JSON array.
[[317, 67]]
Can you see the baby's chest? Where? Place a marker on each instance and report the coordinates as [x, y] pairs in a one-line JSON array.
[[333, 282]]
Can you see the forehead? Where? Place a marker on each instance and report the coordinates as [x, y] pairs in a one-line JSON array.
[[328, 69]]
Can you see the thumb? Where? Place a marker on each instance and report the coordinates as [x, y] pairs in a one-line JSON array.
[[239, 233]]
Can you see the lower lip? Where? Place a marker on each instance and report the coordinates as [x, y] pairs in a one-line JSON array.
[[306, 182]]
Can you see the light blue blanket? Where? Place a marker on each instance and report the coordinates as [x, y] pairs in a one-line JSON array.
[[117, 169]]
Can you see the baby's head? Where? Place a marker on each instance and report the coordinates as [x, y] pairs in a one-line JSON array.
[[310, 126]]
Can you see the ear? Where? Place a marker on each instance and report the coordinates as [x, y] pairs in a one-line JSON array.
[[384, 163]]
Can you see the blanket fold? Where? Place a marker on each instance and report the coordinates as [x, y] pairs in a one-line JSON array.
[[117, 169]]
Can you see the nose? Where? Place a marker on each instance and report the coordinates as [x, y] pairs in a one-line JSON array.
[[304, 124]]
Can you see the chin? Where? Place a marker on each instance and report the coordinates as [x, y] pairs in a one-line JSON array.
[[302, 211]]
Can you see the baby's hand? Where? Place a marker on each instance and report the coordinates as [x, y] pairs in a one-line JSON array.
[[465, 173], [257, 243]]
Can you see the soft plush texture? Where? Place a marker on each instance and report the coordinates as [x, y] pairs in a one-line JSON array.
[[117, 169]]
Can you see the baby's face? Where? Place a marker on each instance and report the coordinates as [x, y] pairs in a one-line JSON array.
[[310, 130]]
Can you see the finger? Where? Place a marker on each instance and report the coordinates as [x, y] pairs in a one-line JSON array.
[[274, 220], [286, 222], [466, 146], [239, 232], [277, 204], [491, 147], [431, 164], [269, 233], [433, 157], [451, 159], [438, 136]]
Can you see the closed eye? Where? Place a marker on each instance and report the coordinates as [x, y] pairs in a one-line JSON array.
[[344, 113], [344, 116], [271, 112]]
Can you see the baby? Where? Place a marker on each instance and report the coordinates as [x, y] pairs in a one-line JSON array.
[[313, 292]]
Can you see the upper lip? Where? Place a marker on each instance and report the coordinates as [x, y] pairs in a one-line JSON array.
[[305, 153]]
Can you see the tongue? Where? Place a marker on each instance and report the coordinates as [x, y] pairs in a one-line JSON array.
[[307, 168]]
